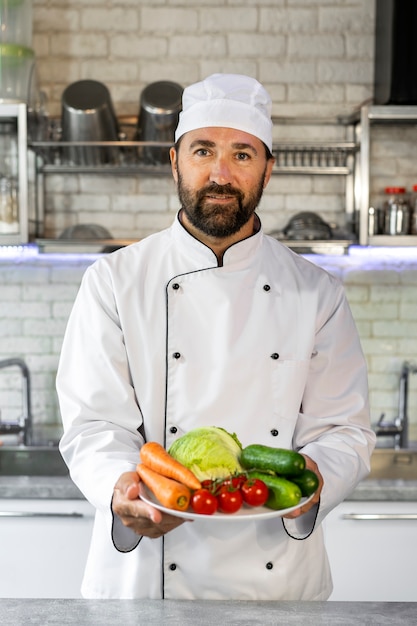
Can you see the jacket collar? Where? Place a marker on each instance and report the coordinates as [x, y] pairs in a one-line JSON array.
[[237, 254]]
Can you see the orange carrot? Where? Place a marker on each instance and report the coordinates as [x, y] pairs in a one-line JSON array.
[[170, 493], [154, 456]]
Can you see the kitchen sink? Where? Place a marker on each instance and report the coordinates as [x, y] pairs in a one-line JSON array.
[[31, 461], [393, 464]]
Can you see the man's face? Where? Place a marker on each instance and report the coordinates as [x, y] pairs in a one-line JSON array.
[[220, 174]]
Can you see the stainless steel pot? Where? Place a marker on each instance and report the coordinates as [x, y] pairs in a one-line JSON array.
[[88, 115], [160, 106]]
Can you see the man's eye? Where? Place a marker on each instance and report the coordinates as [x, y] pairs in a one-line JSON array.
[[202, 152], [242, 156]]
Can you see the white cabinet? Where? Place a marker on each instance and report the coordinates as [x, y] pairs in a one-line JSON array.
[[43, 547], [372, 551]]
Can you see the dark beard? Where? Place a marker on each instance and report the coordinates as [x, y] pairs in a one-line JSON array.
[[218, 220]]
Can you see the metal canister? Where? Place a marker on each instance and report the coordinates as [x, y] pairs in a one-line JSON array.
[[88, 115], [160, 106], [397, 211]]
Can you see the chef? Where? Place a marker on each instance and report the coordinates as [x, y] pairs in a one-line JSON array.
[[212, 323]]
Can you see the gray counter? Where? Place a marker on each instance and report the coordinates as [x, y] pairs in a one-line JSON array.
[[380, 490], [52, 488], [196, 613], [62, 488]]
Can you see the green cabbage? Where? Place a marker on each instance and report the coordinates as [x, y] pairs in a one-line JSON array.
[[209, 452]]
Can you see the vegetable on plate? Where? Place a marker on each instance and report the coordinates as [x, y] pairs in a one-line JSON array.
[[154, 456], [230, 499], [278, 460], [208, 470], [204, 502], [169, 492], [254, 492], [283, 493], [308, 481], [210, 452]]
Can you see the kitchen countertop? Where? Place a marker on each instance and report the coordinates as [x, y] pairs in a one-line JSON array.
[[379, 490], [196, 612], [35, 487], [62, 488]]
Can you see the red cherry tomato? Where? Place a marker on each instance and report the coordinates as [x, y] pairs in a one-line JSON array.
[[204, 502], [230, 500], [254, 492], [234, 481]]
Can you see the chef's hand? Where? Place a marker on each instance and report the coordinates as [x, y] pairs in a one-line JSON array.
[[140, 517], [311, 465]]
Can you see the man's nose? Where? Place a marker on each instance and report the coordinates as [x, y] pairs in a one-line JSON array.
[[221, 172]]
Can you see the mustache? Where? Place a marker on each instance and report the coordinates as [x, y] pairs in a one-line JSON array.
[[219, 190]]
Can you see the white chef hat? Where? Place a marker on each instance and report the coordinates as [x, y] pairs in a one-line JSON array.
[[228, 101]]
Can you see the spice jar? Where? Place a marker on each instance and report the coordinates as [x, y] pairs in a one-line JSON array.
[[396, 211]]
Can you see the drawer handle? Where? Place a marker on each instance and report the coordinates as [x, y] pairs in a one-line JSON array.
[[380, 516], [38, 514]]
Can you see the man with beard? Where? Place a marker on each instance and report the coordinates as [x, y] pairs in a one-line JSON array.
[[212, 323]]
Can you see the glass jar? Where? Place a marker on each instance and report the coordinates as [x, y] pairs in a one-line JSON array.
[[396, 211], [8, 208]]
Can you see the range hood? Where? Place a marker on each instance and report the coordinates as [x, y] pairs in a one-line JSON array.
[[395, 78]]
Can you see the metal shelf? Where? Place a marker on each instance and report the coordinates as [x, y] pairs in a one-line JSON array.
[[392, 240], [144, 169], [334, 247], [130, 157], [332, 158], [312, 170], [108, 157], [392, 113], [388, 115]]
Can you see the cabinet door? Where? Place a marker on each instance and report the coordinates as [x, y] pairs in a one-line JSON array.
[[371, 547], [43, 547]]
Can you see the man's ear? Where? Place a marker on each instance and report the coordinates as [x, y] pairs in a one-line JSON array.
[[173, 157], [268, 172]]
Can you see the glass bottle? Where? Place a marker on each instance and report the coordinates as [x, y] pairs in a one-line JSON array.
[[396, 211]]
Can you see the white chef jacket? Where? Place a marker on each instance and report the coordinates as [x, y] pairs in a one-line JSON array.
[[163, 339]]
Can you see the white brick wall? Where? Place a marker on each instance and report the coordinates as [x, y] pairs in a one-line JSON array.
[[37, 295], [315, 58], [127, 44]]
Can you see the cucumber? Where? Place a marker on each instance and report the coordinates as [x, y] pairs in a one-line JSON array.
[[278, 460], [308, 482], [283, 493]]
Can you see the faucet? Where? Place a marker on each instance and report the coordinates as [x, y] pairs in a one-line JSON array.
[[399, 427], [23, 426]]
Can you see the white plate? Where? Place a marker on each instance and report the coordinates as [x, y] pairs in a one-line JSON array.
[[245, 513]]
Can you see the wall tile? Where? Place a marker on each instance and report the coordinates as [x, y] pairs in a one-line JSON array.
[[316, 59]]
